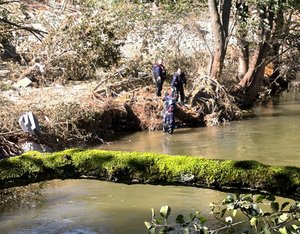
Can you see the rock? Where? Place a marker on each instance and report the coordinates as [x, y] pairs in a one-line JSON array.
[[29, 146], [4, 73], [25, 82]]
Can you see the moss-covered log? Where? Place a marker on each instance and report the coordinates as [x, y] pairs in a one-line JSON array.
[[150, 168]]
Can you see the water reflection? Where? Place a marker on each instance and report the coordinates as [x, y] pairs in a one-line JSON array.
[[90, 206], [21, 197], [87, 206]]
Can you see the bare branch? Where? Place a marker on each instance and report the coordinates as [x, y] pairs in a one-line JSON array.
[[32, 30], [8, 2]]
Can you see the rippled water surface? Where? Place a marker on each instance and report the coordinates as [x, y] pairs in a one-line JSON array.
[[87, 206], [271, 138]]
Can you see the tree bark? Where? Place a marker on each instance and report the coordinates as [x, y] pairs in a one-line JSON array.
[[276, 79], [253, 79], [242, 16], [252, 82], [220, 25], [243, 62]]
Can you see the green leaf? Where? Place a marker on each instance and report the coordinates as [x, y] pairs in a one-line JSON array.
[[255, 210], [260, 198], [230, 231], [204, 230], [148, 225], [212, 204], [271, 198], [152, 230], [197, 213], [165, 211], [180, 219], [152, 213], [197, 226], [164, 230], [295, 227], [266, 214], [253, 221], [283, 230], [230, 206], [228, 199], [266, 230], [284, 205], [159, 221], [186, 231], [275, 206], [228, 220], [234, 212], [247, 197], [202, 220], [192, 216], [283, 217]]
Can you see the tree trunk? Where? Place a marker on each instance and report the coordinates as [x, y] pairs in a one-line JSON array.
[[276, 79], [220, 32], [252, 82], [243, 63], [242, 16], [253, 79]]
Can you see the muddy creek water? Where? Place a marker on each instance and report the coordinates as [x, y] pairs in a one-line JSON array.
[[88, 206]]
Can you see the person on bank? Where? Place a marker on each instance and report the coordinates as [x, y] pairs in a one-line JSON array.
[[159, 73], [178, 81]]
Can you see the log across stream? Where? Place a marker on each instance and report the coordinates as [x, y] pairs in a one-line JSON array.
[[151, 168]]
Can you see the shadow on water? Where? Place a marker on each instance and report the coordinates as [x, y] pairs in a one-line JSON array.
[[246, 165]]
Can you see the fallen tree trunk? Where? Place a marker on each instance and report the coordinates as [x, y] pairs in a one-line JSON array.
[[150, 168]]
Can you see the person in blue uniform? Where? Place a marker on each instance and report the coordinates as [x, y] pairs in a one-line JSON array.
[[168, 113], [178, 81], [159, 73]]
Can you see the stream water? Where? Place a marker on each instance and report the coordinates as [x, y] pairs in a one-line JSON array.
[[89, 206], [272, 137]]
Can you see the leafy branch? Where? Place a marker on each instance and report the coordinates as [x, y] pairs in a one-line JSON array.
[[259, 213]]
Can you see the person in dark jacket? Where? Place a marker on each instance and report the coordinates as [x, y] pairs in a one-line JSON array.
[[159, 73], [177, 83], [169, 113]]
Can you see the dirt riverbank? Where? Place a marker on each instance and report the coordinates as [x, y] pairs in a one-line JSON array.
[[80, 113]]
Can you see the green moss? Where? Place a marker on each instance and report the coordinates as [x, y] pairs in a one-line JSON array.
[[149, 168]]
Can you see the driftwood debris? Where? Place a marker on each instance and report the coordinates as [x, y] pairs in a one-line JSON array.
[[108, 89]]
